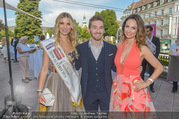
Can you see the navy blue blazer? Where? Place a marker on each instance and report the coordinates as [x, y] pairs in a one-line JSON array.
[[82, 62]]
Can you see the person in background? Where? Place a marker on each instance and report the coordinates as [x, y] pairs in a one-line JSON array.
[[13, 39], [129, 92], [154, 45], [42, 37], [16, 41], [173, 70], [4, 50], [24, 51]]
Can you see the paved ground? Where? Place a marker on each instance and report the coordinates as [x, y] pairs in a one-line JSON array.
[[163, 99]]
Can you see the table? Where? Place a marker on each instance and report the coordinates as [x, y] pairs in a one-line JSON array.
[[35, 63]]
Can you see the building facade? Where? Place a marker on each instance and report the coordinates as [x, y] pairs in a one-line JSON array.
[[164, 14]]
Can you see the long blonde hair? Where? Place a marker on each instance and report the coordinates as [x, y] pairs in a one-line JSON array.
[[140, 35], [73, 33]]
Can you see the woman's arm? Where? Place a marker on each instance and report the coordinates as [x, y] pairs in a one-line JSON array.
[[153, 61], [147, 54], [43, 75], [20, 50]]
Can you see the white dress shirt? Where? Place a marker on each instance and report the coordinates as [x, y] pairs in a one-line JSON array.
[[96, 50]]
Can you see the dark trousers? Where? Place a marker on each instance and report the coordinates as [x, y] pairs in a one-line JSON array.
[[151, 70], [175, 86], [95, 100], [15, 54]]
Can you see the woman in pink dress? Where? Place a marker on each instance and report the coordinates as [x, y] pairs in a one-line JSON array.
[[129, 92]]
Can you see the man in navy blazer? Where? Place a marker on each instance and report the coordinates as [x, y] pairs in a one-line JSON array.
[[96, 58]]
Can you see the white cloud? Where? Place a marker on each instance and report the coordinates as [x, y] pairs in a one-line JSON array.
[[51, 9], [10, 19], [76, 14]]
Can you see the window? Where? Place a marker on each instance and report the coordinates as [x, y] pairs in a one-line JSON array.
[[175, 19], [129, 7], [134, 11], [155, 13], [161, 32], [149, 15], [138, 9], [155, 4], [161, 1], [155, 22], [175, 31], [170, 10], [143, 7], [161, 22], [162, 12], [148, 6], [169, 0]]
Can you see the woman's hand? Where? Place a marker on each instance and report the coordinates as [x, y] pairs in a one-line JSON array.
[[32, 51], [141, 84], [41, 98]]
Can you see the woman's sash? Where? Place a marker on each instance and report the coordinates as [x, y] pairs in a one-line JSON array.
[[64, 69]]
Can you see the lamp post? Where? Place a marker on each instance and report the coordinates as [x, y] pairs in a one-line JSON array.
[[13, 103], [9, 58]]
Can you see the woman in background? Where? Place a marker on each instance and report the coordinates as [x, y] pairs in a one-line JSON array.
[[24, 51], [4, 50]]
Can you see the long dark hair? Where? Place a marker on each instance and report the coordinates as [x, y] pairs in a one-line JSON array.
[[140, 35]]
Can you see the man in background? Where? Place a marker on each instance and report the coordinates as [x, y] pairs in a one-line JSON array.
[[154, 45]]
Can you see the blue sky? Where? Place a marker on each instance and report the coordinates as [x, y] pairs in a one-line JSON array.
[[51, 9]]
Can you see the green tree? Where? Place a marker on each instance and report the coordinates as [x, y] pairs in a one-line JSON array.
[[111, 25], [3, 33], [26, 25], [83, 33], [50, 31]]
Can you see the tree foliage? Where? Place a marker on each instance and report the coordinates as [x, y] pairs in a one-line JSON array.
[[50, 31], [26, 25], [110, 23], [83, 33], [3, 32]]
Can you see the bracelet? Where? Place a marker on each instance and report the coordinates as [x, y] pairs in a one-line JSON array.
[[39, 91], [150, 80]]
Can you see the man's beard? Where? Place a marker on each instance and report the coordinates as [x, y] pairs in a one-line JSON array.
[[95, 38]]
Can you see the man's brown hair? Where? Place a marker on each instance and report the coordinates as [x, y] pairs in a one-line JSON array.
[[96, 18]]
